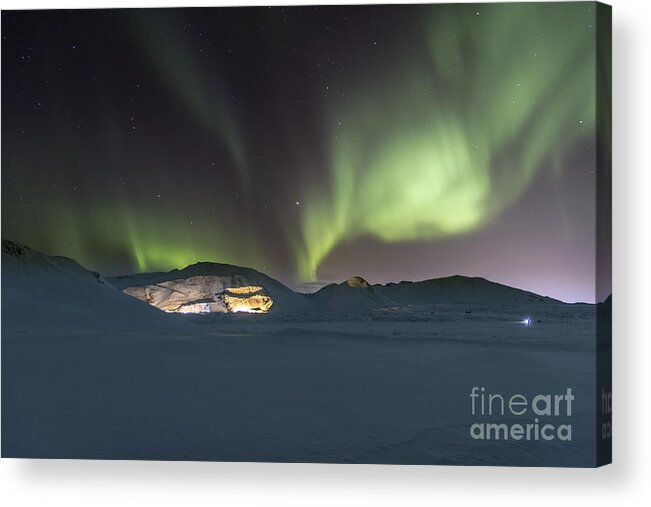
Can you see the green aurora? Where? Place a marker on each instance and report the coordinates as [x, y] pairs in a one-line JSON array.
[[207, 101], [153, 241], [442, 148], [260, 137]]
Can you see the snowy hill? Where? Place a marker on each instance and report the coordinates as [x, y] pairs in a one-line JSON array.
[[457, 290], [89, 372], [355, 294], [48, 291], [211, 287], [44, 292]]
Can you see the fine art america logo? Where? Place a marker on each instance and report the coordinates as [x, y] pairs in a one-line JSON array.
[[545, 416]]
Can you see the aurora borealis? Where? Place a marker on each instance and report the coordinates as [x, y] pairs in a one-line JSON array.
[[311, 143]]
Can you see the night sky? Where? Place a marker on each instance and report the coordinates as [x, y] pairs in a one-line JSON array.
[[313, 144]]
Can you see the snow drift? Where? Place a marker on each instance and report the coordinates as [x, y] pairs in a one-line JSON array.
[[51, 293], [90, 372]]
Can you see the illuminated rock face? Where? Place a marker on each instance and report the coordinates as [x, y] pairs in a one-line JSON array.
[[208, 287], [245, 291], [204, 294], [357, 282], [254, 304]]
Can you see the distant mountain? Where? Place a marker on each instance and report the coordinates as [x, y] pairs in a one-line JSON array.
[[355, 294], [49, 291], [457, 290], [212, 287], [42, 291]]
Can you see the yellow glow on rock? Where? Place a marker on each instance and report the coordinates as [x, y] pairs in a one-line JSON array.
[[249, 289], [253, 304]]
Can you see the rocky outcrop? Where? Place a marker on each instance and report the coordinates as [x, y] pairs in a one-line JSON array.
[[204, 294], [208, 287], [355, 294]]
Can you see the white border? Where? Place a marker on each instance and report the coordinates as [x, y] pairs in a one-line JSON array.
[[627, 482]]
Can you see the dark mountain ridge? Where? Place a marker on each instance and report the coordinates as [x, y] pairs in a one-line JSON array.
[[214, 287], [458, 289]]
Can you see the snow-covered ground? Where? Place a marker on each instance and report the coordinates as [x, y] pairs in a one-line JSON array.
[[379, 386]]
